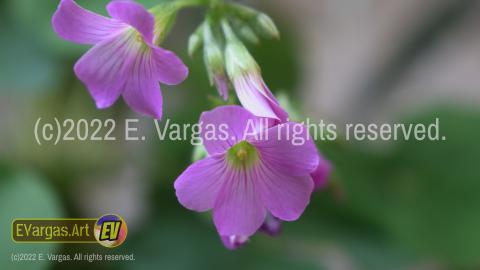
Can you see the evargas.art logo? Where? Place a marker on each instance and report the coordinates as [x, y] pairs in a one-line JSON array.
[[108, 230]]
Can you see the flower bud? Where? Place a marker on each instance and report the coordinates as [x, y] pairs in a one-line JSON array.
[[239, 61], [195, 41], [214, 62], [242, 12], [261, 21], [267, 26], [215, 67], [248, 34]]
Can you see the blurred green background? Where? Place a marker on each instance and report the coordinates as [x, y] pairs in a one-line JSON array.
[[396, 205]]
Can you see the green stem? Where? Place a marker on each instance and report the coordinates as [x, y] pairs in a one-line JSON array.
[[165, 15], [190, 3], [241, 11]]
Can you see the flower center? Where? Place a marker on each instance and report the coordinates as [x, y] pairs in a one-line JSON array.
[[242, 154], [138, 37]]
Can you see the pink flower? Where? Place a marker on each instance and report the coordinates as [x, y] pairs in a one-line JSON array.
[[247, 80], [124, 60], [322, 173], [245, 75], [254, 170]]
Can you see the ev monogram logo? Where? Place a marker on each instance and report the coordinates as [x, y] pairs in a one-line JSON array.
[[110, 230]]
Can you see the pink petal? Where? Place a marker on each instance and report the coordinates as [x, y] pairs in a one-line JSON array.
[[271, 226], [222, 85], [233, 242], [197, 187], [142, 90], [238, 209], [135, 15], [257, 98], [286, 197], [274, 104], [321, 174], [170, 68], [288, 149], [79, 25], [229, 123], [104, 68]]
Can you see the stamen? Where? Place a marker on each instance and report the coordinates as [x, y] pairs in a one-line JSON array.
[[138, 37], [242, 154]]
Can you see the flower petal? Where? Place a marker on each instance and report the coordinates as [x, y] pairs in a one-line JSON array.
[[286, 197], [274, 104], [197, 187], [225, 126], [170, 68], [321, 174], [221, 83], [104, 68], [288, 149], [79, 25], [271, 226], [257, 98], [135, 15], [233, 242], [238, 209], [142, 90]]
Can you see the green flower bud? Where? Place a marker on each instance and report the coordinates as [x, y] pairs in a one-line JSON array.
[[213, 60], [238, 59], [267, 26], [195, 41], [248, 34], [242, 12], [261, 21], [212, 54]]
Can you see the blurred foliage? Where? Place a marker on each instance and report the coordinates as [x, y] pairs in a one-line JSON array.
[[21, 60], [423, 196], [25, 195]]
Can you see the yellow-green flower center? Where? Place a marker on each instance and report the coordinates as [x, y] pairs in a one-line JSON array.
[[139, 37], [243, 154]]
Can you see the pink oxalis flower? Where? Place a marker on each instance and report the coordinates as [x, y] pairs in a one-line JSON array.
[[246, 77], [272, 226], [321, 175], [124, 60], [249, 175]]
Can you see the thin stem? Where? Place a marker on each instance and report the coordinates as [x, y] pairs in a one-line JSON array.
[[190, 3], [178, 4]]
